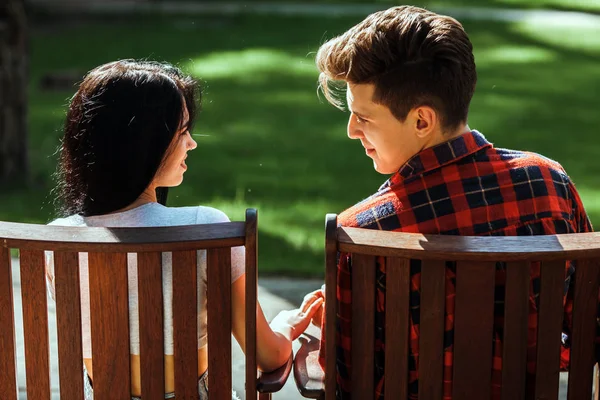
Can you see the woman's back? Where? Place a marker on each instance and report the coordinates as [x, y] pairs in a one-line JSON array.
[[150, 215]]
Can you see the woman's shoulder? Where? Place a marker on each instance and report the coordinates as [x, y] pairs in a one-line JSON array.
[[71, 220], [196, 214], [210, 215]]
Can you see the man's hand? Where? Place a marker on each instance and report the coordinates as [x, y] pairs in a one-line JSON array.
[[317, 319]]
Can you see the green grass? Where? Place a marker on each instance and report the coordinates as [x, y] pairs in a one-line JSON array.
[[274, 145], [567, 5]]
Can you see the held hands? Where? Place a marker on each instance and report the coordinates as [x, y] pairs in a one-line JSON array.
[[292, 323], [317, 318]]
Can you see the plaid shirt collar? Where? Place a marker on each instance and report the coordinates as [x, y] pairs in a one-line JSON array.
[[437, 156]]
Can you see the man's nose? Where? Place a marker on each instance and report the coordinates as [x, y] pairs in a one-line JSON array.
[[354, 130]]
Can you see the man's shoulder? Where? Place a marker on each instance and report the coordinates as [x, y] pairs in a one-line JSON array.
[[534, 169], [518, 159], [378, 211]]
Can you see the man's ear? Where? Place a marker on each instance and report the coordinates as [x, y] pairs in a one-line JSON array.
[[426, 120]]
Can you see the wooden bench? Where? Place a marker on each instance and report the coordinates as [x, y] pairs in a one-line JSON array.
[[107, 250], [475, 273]]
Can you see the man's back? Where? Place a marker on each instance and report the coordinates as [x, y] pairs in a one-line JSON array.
[[462, 187]]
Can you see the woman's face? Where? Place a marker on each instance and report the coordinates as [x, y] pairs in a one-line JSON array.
[[171, 171]]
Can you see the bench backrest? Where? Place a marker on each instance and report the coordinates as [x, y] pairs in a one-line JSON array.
[[475, 259], [107, 250]]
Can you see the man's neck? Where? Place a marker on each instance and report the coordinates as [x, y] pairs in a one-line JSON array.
[[441, 137]]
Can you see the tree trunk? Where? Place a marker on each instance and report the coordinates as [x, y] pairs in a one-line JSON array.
[[14, 64]]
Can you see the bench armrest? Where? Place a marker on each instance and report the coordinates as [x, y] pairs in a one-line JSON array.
[[308, 374], [270, 382]]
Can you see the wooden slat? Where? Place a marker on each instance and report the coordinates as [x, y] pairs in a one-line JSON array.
[[251, 296], [150, 301], [97, 239], [219, 333], [473, 328], [431, 326], [585, 303], [471, 248], [35, 324], [550, 319], [8, 362], [185, 324], [110, 325], [68, 324], [397, 291], [516, 311], [331, 252], [363, 323]]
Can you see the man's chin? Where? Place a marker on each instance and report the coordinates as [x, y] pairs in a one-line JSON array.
[[382, 170]]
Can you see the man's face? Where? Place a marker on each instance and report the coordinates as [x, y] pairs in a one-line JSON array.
[[388, 142]]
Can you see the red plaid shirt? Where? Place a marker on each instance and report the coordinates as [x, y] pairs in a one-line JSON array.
[[461, 187]]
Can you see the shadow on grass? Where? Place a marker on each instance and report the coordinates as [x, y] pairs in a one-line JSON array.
[[273, 145]]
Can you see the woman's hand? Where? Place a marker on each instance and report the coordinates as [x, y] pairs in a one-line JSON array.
[[292, 323]]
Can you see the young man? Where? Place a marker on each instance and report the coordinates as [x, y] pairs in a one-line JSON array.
[[410, 75]]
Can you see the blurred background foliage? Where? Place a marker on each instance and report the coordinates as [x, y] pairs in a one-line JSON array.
[[274, 143]]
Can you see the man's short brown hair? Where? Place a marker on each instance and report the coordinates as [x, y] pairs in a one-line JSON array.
[[414, 57]]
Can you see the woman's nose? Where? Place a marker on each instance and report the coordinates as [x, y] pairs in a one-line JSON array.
[[192, 143]]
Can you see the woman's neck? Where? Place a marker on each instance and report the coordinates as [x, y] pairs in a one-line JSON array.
[[147, 196]]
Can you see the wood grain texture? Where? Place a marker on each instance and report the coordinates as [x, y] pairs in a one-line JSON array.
[[397, 334], [185, 324], [109, 312], [550, 317], [150, 304], [68, 324], [273, 381], [308, 373], [516, 312], [96, 239], [35, 324], [585, 303], [469, 248], [431, 340], [219, 334], [331, 252], [473, 328], [251, 300], [363, 326], [8, 360]]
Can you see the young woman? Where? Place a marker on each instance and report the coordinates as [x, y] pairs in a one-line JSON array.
[[126, 139]]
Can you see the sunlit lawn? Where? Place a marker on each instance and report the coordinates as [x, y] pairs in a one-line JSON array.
[[274, 145], [568, 5]]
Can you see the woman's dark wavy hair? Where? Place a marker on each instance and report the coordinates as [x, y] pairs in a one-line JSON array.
[[118, 129]]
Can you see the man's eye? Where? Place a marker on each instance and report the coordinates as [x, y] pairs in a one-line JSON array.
[[359, 119]]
